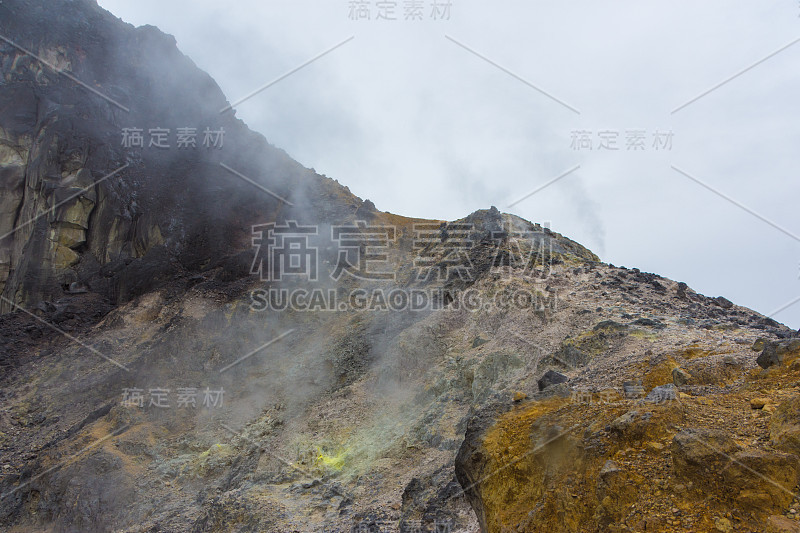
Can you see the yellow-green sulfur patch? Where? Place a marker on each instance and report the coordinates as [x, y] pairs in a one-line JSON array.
[[331, 462]]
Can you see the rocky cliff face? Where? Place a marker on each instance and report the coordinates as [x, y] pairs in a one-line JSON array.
[[87, 206], [159, 376]]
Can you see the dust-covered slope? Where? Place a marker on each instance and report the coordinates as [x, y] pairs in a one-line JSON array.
[[188, 346], [374, 417]]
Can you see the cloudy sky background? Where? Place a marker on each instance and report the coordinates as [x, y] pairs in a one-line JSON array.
[[424, 127]]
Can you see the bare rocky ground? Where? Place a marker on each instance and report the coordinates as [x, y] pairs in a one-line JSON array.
[[357, 419], [608, 400], [712, 454]]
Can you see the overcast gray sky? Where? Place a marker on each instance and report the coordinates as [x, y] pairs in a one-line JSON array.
[[409, 115]]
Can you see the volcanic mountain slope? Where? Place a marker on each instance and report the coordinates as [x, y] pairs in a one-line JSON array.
[[119, 163], [152, 383]]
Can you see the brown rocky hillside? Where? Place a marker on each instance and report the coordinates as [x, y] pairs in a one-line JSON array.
[[215, 338]]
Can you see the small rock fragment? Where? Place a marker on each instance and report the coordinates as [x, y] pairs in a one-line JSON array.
[[478, 341], [723, 524], [680, 377], [758, 403]]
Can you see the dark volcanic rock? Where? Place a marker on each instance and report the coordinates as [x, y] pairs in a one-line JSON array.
[[649, 322], [681, 291], [680, 377], [723, 302], [551, 377], [471, 461], [774, 353]]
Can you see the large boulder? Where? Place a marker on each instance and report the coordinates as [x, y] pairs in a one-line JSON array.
[[551, 377], [775, 353]]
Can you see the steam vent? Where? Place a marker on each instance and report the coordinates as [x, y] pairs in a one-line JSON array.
[[200, 334]]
